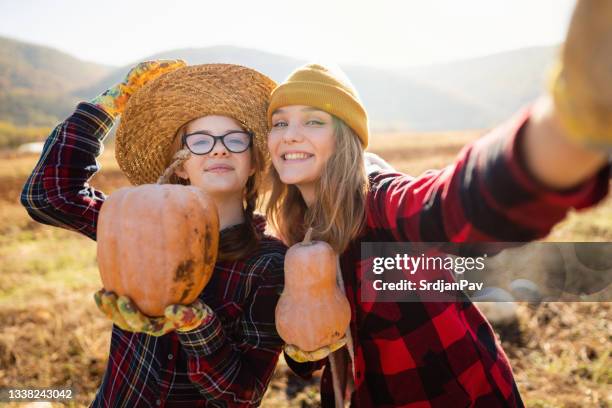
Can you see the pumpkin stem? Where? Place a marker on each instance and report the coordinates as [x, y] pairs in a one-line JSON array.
[[179, 158], [306, 240]]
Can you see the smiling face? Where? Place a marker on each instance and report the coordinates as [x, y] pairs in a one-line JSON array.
[[219, 172], [301, 142]]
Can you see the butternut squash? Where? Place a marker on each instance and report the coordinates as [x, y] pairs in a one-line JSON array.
[[312, 311]]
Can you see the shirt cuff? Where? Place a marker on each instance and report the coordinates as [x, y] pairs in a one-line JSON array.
[[584, 195], [92, 119], [205, 340]]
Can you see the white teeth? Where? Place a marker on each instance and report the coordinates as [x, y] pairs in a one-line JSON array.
[[296, 156]]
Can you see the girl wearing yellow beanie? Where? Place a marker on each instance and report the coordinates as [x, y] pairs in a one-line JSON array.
[[514, 184]]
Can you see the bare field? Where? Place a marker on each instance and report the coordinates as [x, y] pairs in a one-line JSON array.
[[51, 333]]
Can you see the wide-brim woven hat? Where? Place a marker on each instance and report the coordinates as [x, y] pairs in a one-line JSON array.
[[156, 111]]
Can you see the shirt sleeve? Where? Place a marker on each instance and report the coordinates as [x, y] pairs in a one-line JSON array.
[[487, 194], [238, 370], [57, 192]]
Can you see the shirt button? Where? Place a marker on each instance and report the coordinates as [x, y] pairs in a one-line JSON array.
[[158, 402], [170, 356]]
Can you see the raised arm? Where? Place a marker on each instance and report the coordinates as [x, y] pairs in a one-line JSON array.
[[57, 192]]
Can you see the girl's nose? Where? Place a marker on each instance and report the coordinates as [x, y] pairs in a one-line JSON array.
[[219, 150], [292, 134]]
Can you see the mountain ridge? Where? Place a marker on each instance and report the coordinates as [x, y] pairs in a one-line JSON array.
[[474, 93]]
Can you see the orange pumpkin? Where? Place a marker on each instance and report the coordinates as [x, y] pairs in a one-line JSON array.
[[312, 311], [157, 244]]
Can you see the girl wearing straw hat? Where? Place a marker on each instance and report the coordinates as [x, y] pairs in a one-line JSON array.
[[514, 184], [201, 125]]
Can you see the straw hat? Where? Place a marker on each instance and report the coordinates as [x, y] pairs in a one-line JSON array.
[[157, 110]]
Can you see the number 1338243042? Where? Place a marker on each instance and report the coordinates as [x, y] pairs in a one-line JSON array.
[[18, 394]]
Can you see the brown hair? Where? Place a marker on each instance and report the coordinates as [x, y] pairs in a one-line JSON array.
[[338, 213], [238, 241]]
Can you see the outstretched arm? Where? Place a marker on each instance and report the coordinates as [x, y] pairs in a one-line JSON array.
[[520, 180], [569, 135]]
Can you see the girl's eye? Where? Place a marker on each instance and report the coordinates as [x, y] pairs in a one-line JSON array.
[[315, 122], [280, 123]]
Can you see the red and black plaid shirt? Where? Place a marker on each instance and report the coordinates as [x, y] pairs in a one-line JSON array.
[[229, 360], [426, 355]]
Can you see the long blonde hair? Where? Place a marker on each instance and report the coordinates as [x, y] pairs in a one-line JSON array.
[[338, 212]]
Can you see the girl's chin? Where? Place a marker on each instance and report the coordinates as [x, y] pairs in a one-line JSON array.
[[296, 180], [221, 193], [212, 186], [296, 175]]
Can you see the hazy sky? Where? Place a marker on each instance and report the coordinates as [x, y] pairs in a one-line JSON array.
[[380, 33]]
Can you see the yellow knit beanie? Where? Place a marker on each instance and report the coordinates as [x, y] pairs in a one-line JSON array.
[[317, 86]]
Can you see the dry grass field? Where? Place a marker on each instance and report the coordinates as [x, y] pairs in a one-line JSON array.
[[51, 334]]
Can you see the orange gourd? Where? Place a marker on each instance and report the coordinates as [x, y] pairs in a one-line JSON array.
[[157, 244], [312, 311]]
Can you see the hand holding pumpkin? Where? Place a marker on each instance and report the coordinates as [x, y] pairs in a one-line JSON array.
[[180, 227], [312, 313], [114, 99], [302, 356], [124, 313]]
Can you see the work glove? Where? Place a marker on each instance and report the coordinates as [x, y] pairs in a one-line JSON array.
[[581, 82], [301, 356], [114, 99], [124, 314]]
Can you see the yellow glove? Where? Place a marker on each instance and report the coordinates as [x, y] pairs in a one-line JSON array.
[[581, 83], [124, 314], [114, 99], [303, 356]]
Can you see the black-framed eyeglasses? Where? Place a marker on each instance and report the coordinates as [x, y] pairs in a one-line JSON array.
[[236, 141]]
